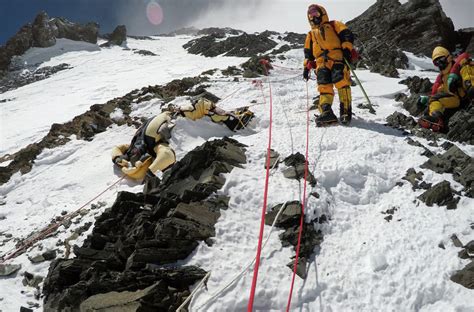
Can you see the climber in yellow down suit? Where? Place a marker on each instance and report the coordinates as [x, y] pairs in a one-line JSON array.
[[149, 150], [327, 44]]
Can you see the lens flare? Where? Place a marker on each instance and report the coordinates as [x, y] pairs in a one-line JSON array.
[[154, 13]]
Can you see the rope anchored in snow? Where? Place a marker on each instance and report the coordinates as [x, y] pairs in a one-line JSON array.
[[265, 194], [23, 245], [239, 275], [303, 203]]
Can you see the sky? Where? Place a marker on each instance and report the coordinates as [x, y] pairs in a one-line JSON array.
[[167, 15]]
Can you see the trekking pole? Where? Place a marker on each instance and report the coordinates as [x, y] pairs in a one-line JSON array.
[[371, 108]]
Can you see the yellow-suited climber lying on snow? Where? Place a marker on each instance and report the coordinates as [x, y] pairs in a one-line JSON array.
[[327, 44], [149, 150]]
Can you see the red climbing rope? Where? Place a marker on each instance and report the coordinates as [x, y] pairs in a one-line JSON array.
[[303, 203], [265, 195], [50, 229]]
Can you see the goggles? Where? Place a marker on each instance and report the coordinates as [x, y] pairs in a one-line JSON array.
[[441, 62], [314, 11]]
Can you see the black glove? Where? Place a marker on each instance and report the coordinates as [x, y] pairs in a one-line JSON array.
[[347, 55], [306, 74], [118, 159]]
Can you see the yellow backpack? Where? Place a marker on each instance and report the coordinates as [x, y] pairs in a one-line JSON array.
[[467, 77]]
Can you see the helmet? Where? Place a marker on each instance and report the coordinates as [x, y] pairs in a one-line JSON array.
[[438, 52], [316, 15], [441, 57]]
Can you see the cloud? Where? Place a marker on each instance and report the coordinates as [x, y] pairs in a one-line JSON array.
[[180, 13], [254, 15]]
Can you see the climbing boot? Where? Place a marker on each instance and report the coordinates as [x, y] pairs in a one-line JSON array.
[[345, 113], [327, 116], [434, 122]]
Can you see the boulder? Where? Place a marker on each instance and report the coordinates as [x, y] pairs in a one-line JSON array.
[[440, 194], [461, 124], [243, 45], [418, 85], [454, 161], [387, 28], [42, 31], [465, 277], [288, 217], [117, 37], [127, 301], [74, 31], [296, 169], [253, 68], [9, 269]]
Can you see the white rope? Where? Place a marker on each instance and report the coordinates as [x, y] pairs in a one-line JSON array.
[[238, 276], [194, 291]]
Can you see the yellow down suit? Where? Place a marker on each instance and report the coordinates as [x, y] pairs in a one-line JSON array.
[[149, 149], [324, 45]]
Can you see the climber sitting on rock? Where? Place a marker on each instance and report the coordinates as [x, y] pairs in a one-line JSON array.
[[452, 87], [149, 150]]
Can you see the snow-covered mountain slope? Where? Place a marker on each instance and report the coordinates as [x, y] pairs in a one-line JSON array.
[[96, 76], [364, 264]]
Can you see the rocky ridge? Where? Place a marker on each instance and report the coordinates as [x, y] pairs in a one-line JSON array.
[[96, 120], [43, 33], [388, 27], [135, 244]]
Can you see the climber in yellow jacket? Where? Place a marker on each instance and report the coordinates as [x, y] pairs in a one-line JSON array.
[[149, 150], [327, 44], [452, 86]]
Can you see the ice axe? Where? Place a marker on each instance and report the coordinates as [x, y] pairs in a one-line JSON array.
[[371, 108]]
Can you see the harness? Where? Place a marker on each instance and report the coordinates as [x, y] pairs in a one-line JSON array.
[[139, 149], [325, 52]]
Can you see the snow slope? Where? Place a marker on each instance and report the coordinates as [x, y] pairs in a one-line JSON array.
[[364, 264]]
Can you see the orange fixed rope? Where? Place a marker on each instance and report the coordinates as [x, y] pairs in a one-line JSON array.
[[30, 241], [303, 203]]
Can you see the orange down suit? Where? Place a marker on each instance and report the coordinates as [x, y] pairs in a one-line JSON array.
[[323, 45]]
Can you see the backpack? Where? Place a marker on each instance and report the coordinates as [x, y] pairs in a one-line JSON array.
[[464, 68]]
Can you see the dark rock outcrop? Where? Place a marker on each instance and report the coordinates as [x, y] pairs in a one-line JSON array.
[[18, 79], [43, 33], [220, 32], [296, 169], [418, 85], [440, 194], [466, 39], [254, 68], [387, 28], [465, 277], [77, 32], [461, 124], [398, 120], [416, 179], [243, 45], [456, 162], [144, 52], [290, 221], [117, 37], [295, 40], [135, 243]]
